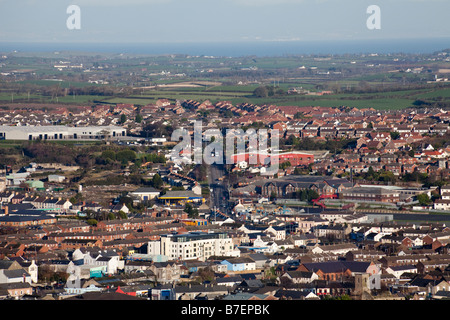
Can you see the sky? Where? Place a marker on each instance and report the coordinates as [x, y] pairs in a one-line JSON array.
[[180, 21]]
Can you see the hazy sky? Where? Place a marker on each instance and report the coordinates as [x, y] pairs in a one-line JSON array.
[[220, 20]]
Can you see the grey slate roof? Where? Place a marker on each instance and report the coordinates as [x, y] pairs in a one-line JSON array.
[[337, 266]]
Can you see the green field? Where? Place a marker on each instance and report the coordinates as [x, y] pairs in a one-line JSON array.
[[357, 81], [238, 94], [392, 100]]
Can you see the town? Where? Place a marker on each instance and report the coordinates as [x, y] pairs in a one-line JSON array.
[[95, 203]]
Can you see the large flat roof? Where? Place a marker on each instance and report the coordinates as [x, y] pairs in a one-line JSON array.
[[58, 128], [180, 195]]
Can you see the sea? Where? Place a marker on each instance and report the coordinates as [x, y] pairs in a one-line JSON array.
[[238, 49]]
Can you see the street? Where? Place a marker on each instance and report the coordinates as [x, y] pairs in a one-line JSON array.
[[219, 189]]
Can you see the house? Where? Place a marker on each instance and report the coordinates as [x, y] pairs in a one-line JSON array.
[[298, 277], [248, 296], [119, 207], [304, 239], [74, 284], [162, 292], [337, 270], [88, 206], [444, 202], [370, 158], [333, 288], [167, 271], [16, 290], [239, 264], [108, 261], [397, 271], [8, 276], [5, 197], [283, 294], [329, 231], [113, 263], [277, 233], [432, 264], [395, 168], [259, 259], [63, 205], [30, 267], [338, 249], [250, 285], [199, 292], [230, 281], [430, 286], [145, 193]]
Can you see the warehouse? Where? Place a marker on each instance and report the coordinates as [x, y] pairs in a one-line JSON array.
[[180, 197], [60, 132]]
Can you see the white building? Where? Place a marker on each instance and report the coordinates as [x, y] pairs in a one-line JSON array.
[[145, 193], [56, 178], [111, 262], [14, 276], [277, 233], [444, 202], [397, 271], [195, 245], [60, 132]]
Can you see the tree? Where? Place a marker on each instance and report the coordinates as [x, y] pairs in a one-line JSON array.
[[138, 118], [371, 174], [125, 155], [157, 181], [285, 165], [122, 215], [92, 222], [423, 199], [306, 194], [157, 130], [126, 200], [298, 115], [123, 118], [108, 154], [206, 274], [272, 196], [191, 211], [261, 92], [312, 194], [395, 135]]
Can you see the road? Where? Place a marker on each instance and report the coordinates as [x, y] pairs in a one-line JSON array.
[[219, 189]]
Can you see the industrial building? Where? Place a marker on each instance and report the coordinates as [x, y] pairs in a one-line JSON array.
[[60, 132], [181, 198]]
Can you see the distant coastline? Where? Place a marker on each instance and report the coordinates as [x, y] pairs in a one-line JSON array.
[[236, 49]]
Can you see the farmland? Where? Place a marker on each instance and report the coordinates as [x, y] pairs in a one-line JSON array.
[[383, 82]]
